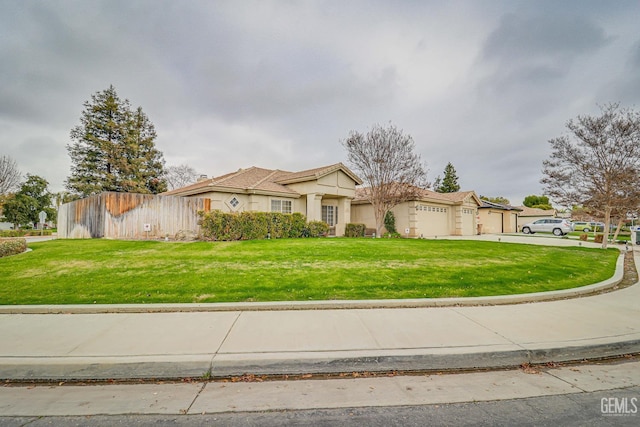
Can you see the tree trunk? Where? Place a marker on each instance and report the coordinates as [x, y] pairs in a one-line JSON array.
[[607, 222], [615, 235], [379, 223]]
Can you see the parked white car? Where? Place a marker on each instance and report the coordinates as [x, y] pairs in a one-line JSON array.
[[557, 226]]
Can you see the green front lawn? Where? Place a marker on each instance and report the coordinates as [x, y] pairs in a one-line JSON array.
[[109, 271]]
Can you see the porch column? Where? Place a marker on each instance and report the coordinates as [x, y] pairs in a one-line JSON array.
[[344, 215], [314, 206]]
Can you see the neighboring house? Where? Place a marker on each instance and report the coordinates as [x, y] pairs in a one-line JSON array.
[[321, 194], [496, 218], [430, 214], [531, 214]]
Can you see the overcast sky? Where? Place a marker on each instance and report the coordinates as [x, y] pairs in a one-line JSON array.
[[279, 84]]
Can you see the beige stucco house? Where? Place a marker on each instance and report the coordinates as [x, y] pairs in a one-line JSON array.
[[528, 215], [430, 214], [330, 194], [321, 194], [327, 194], [494, 218]]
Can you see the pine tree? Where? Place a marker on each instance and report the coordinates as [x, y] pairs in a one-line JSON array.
[[448, 184], [113, 149]]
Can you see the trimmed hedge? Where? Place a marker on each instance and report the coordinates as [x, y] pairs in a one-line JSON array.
[[218, 225], [316, 229], [21, 233], [12, 247], [355, 230]]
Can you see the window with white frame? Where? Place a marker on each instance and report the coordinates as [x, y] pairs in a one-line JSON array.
[[283, 206], [330, 215]]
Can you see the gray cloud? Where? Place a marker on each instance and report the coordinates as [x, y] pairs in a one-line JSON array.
[[279, 84], [545, 37]]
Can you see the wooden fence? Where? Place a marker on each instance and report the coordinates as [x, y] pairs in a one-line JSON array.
[[130, 216]]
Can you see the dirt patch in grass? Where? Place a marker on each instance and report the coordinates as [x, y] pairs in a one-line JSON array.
[[630, 272]]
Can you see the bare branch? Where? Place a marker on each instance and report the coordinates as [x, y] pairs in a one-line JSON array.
[[385, 160], [9, 175], [180, 176], [597, 165]]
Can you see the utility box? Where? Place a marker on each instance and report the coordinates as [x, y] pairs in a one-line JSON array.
[[638, 236]]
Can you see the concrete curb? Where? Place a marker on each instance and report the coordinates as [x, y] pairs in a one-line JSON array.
[[423, 361], [229, 365], [605, 285]]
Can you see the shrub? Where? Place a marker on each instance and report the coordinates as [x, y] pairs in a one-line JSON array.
[[23, 232], [279, 224], [354, 230], [598, 238], [317, 229], [390, 222], [298, 225], [394, 235], [253, 225], [12, 246], [584, 237], [218, 225]]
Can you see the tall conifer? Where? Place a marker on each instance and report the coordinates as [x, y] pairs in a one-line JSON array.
[[113, 149]]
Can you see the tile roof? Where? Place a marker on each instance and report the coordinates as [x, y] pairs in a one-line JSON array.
[[526, 211], [426, 195], [311, 174], [259, 179], [491, 205]]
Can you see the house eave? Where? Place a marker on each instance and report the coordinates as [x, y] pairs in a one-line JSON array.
[[316, 176]]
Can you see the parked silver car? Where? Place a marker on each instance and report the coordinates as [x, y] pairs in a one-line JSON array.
[[557, 226]]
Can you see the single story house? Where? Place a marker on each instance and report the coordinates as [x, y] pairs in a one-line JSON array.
[[528, 215], [496, 218], [330, 194], [321, 194], [430, 214]]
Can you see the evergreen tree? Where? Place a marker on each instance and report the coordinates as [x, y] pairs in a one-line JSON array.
[[448, 184], [113, 149]]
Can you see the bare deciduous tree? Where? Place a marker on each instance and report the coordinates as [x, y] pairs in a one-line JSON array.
[[598, 164], [180, 176], [390, 169], [9, 175]]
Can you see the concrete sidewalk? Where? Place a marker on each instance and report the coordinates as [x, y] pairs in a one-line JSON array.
[[236, 342]]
